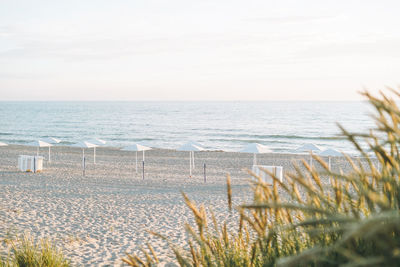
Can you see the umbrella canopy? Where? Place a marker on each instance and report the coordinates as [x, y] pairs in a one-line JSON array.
[[51, 140], [137, 147], [84, 144], [40, 143], [97, 141], [256, 149], [191, 147], [330, 152], [3, 144], [194, 143], [309, 147]]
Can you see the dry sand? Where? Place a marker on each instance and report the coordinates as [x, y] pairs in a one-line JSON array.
[[98, 218]]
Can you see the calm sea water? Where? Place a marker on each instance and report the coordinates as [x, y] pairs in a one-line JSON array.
[[216, 125]]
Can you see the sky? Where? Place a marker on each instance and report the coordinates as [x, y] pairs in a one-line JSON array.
[[182, 50]]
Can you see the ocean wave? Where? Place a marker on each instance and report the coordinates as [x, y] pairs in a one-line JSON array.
[[274, 136], [241, 141], [131, 139]]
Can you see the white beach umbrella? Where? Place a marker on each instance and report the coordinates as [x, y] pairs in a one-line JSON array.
[[194, 143], [38, 144], [256, 149], [311, 148], [3, 144], [191, 147], [51, 140], [330, 152], [137, 147], [83, 145], [98, 142]]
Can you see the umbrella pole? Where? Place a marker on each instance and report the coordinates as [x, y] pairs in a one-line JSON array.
[[94, 155], [136, 162], [205, 177], [83, 161], [329, 162], [143, 164], [311, 159], [190, 164], [193, 159], [49, 155], [37, 151], [255, 159]]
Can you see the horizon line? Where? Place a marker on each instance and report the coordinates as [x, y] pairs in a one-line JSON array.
[[83, 100]]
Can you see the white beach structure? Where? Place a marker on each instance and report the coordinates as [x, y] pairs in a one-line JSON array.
[[256, 148], [330, 152], [98, 142], [191, 147], [83, 145], [137, 147], [3, 144], [309, 148], [51, 140], [38, 144]]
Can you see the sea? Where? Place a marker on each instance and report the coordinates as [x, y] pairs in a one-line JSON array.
[[228, 126]]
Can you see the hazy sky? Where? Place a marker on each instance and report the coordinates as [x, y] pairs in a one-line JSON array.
[[197, 50]]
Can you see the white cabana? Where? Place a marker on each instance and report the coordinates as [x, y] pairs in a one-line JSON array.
[[136, 148], [83, 145], [38, 144], [191, 147], [330, 152], [51, 140], [256, 149], [3, 144], [309, 148], [98, 142]]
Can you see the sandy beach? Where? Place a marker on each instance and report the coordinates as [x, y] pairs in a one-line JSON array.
[[98, 218]]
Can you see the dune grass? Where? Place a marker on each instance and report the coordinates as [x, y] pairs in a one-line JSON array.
[[25, 252], [352, 220]]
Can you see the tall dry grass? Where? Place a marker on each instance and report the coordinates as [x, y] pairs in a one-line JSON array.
[[25, 252], [316, 217]]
